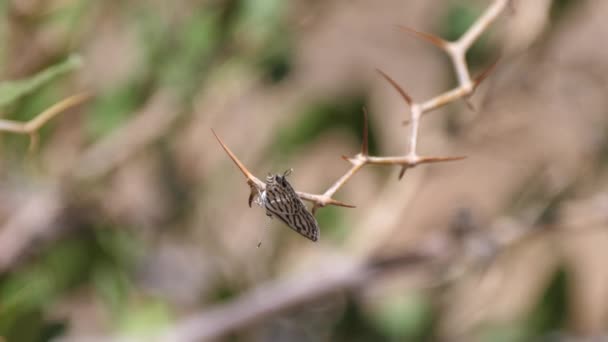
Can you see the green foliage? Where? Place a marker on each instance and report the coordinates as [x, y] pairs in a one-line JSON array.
[[259, 19], [261, 28], [551, 311], [114, 107], [31, 289], [3, 31], [354, 326], [505, 332], [406, 317], [196, 43], [146, 318], [28, 291], [10, 91]]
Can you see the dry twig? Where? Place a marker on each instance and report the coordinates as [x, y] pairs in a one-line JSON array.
[[36, 219], [32, 127]]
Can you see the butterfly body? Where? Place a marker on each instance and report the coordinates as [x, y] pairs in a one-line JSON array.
[[281, 201]]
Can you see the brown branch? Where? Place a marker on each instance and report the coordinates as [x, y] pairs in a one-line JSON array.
[[37, 219], [32, 127], [257, 185], [268, 300], [456, 51], [449, 251], [146, 126]]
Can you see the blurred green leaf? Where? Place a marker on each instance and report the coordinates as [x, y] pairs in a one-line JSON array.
[[4, 25], [198, 38], [146, 318], [33, 288], [259, 20], [114, 107], [11, 91], [32, 327], [551, 312], [102, 258], [408, 316], [113, 287], [503, 332], [355, 326]]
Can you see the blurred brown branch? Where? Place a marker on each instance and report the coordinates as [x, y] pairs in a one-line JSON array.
[[465, 247], [37, 219], [32, 127], [272, 298]]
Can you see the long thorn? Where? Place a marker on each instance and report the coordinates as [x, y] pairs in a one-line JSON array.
[[236, 161], [484, 74], [427, 160], [433, 39], [340, 204], [397, 87], [402, 172]]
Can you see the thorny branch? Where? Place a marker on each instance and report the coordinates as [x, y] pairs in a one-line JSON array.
[[278, 297], [466, 86]]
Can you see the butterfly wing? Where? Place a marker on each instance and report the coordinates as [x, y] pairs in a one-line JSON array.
[[283, 202]]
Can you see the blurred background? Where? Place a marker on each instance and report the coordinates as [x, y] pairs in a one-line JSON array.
[[129, 217]]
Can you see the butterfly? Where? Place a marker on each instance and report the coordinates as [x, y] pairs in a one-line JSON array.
[[281, 200]]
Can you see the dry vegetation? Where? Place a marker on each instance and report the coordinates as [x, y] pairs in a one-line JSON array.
[[128, 220]]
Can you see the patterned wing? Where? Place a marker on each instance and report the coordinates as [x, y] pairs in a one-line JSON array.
[[281, 201]]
